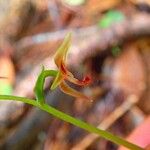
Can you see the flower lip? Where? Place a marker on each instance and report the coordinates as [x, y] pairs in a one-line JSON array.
[[86, 80], [69, 76], [63, 68]]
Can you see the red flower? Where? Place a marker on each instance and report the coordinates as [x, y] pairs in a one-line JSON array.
[[64, 74]]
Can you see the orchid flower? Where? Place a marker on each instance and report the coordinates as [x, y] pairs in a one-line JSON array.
[[64, 74]]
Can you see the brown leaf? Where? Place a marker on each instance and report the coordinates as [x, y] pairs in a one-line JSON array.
[[128, 72]]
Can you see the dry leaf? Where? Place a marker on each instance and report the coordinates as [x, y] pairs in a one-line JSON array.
[[128, 72]]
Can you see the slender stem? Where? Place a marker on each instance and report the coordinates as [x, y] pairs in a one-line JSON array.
[[74, 121], [39, 86]]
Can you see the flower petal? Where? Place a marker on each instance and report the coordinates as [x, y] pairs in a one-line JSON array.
[[69, 76], [59, 58], [64, 70], [86, 80], [70, 91], [59, 78], [61, 53]]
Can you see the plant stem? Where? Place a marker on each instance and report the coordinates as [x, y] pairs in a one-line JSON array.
[[74, 121]]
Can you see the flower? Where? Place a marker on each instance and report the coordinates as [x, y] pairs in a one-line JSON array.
[[64, 74]]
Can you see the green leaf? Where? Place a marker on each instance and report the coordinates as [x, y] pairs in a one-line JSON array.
[[110, 18]]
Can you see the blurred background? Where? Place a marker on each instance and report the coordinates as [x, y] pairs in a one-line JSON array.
[[111, 42]]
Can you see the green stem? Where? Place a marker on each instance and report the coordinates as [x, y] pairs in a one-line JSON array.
[[74, 121], [39, 86]]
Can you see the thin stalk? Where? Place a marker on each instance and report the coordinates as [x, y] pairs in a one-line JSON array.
[[74, 121]]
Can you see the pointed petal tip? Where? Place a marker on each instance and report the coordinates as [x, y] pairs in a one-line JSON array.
[[52, 87], [61, 53], [72, 92]]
